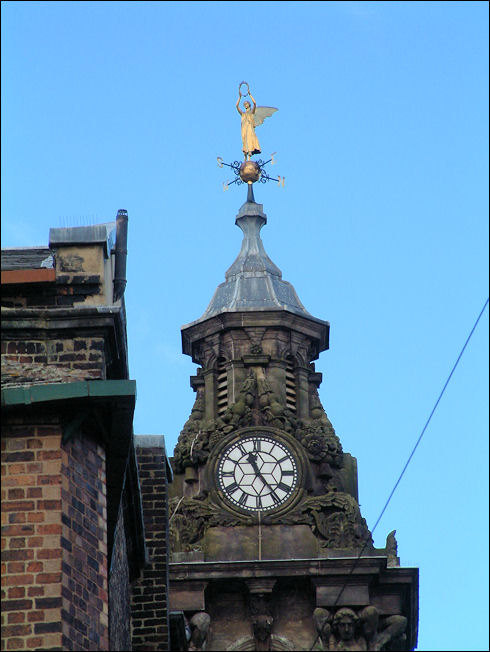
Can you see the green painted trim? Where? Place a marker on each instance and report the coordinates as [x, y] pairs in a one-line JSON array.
[[63, 391]]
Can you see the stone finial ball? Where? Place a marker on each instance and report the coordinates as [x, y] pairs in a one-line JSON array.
[[249, 171]]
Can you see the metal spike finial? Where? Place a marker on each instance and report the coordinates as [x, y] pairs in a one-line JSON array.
[[250, 194]]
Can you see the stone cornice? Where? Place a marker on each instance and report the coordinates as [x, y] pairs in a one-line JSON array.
[[316, 329]]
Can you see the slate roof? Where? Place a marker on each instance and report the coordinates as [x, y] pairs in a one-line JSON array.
[[27, 258]]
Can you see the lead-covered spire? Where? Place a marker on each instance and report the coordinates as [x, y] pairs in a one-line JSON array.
[[253, 282]]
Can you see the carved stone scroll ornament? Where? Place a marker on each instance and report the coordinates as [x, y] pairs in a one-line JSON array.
[[199, 625], [318, 435], [189, 518], [392, 549], [334, 517], [321, 443], [192, 438]]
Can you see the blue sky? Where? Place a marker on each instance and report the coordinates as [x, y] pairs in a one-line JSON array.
[[382, 226]]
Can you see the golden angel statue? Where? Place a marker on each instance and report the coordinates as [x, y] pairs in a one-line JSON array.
[[252, 117]]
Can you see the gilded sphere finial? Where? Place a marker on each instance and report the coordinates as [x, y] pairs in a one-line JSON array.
[[249, 171]]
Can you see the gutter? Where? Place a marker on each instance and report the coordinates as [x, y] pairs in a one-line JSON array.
[[12, 396]]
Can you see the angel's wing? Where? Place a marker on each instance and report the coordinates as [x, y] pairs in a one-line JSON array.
[[261, 113]]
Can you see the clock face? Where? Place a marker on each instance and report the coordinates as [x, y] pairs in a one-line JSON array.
[[257, 473]]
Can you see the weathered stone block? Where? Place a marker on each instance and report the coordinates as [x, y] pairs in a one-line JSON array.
[[259, 542]]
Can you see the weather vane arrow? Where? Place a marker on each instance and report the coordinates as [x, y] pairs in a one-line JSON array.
[[252, 116]]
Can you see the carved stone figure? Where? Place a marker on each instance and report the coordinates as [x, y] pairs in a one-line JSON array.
[[345, 631], [273, 412], [321, 618], [199, 625], [262, 620], [262, 629], [387, 635]]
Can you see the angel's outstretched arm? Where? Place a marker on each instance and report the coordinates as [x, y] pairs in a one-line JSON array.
[[253, 102], [238, 105]]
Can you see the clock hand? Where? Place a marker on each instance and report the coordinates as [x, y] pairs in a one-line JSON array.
[[252, 460]]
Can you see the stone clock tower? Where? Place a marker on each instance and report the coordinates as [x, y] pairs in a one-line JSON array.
[[269, 547]]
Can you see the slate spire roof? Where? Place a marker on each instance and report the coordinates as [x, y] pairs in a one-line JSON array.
[[253, 282]]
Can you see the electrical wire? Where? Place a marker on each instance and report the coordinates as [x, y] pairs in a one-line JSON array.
[[406, 464]]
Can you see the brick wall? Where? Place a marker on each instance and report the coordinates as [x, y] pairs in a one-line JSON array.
[[31, 537], [119, 591], [85, 605], [59, 360], [54, 540], [149, 600]]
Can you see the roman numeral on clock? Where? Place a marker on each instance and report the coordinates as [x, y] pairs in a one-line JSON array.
[[275, 497], [231, 488], [243, 499]]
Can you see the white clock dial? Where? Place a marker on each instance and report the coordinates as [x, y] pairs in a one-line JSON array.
[[257, 473]]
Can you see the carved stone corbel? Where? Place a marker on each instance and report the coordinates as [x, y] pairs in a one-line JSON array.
[[261, 611]]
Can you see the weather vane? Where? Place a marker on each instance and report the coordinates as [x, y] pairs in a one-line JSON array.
[[252, 116]]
